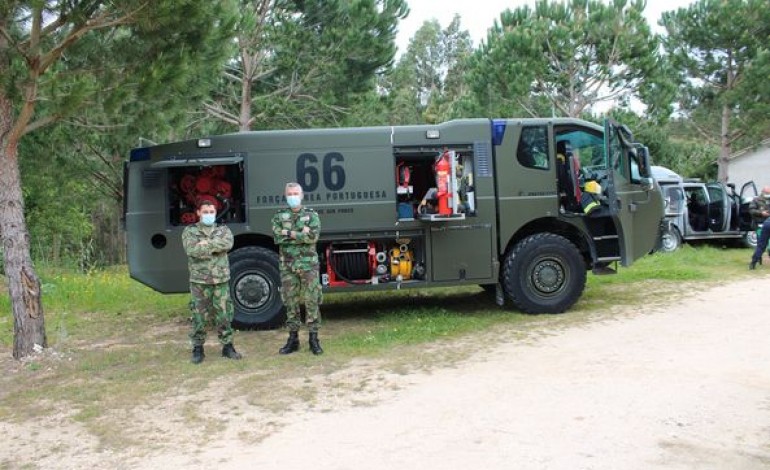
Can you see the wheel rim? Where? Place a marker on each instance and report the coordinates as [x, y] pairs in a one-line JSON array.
[[751, 238], [548, 276], [253, 291], [668, 241]]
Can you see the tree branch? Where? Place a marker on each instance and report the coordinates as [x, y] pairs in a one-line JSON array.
[[17, 46], [106, 161], [526, 107], [703, 132], [735, 136], [217, 111], [100, 21], [42, 122]]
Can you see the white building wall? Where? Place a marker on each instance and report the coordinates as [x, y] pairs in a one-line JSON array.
[[751, 166]]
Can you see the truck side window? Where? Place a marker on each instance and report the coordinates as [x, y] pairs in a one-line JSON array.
[[532, 151]]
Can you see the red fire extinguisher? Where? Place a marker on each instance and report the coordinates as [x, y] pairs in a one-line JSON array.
[[443, 168], [403, 175]]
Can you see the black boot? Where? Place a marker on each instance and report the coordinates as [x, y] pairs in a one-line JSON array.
[[197, 354], [228, 351], [315, 346], [753, 265], [292, 344]]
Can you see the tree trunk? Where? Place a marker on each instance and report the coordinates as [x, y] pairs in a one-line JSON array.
[[724, 141], [244, 117], [23, 283]]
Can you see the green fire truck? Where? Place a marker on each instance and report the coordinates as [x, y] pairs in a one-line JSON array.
[[499, 203]]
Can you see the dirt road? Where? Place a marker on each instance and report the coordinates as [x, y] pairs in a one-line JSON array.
[[683, 388], [686, 387]]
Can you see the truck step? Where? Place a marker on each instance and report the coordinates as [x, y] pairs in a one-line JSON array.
[[603, 270]]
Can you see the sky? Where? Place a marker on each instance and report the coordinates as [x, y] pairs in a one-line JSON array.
[[477, 16]]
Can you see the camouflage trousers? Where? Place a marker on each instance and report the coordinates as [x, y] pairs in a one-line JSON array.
[[300, 286], [210, 303]]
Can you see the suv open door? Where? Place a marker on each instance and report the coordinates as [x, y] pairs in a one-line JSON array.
[[745, 220], [718, 207]]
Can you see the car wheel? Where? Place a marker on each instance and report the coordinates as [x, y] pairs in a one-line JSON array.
[[670, 240], [749, 239]]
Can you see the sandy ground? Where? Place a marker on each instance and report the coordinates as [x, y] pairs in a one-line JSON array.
[[687, 387]]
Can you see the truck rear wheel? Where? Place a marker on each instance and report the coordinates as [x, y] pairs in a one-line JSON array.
[[254, 282], [544, 273]]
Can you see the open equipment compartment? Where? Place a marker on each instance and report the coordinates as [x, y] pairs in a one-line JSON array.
[[375, 261], [435, 184], [222, 185]]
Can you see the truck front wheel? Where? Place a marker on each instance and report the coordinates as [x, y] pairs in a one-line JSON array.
[[254, 282], [544, 273]]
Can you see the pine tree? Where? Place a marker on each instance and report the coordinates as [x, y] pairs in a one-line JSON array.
[[719, 49], [90, 63]]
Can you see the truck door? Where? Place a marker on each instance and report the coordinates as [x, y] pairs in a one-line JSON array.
[[636, 204], [718, 207]]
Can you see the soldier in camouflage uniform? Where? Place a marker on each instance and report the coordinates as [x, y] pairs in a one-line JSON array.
[[759, 208], [296, 230], [206, 245]]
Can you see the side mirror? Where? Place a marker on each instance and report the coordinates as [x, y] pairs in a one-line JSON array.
[[647, 183]]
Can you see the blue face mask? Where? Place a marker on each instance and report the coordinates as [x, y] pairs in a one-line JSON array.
[[294, 201], [208, 219]]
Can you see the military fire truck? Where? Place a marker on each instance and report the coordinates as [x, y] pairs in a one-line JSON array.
[[496, 203]]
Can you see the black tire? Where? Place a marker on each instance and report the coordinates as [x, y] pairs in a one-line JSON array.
[[544, 273], [670, 240], [749, 239], [254, 288]]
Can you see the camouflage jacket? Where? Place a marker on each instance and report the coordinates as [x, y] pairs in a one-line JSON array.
[[206, 249], [758, 205], [298, 251]]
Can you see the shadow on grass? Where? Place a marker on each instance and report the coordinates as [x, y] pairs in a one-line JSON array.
[[381, 305]]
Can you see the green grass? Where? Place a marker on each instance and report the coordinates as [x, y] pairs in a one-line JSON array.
[[108, 304], [687, 264], [89, 306], [118, 345]]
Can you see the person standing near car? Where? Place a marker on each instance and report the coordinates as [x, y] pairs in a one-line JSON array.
[[206, 245], [296, 230], [759, 208]]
